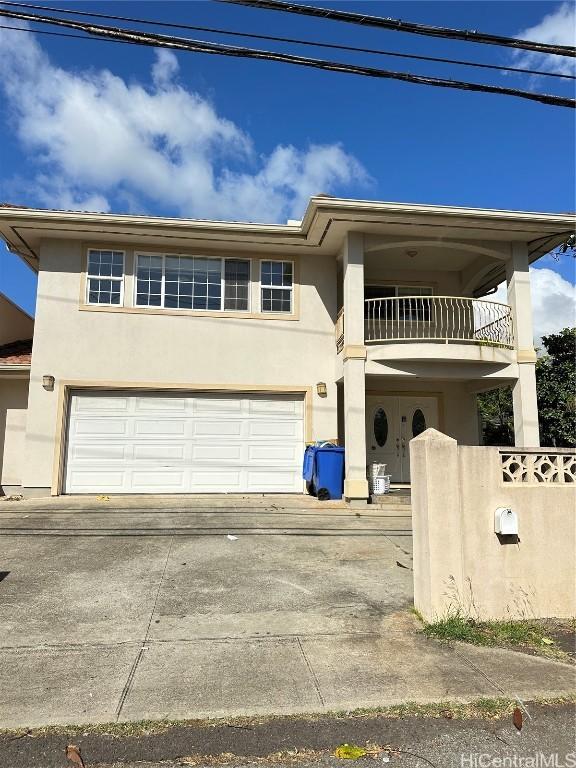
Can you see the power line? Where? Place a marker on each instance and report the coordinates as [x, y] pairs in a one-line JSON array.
[[397, 25], [294, 41], [200, 46]]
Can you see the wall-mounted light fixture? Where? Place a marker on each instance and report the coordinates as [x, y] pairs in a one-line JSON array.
[[322, 389], [48, 383], [411, 252]]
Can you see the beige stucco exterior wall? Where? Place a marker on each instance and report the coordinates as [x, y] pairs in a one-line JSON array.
[[15, 324], [13, 404], [460, 562], [157, 349]]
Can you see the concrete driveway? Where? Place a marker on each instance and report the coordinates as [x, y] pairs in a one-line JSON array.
[[134, 608]]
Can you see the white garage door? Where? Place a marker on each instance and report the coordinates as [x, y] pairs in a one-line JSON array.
[[158, 442]]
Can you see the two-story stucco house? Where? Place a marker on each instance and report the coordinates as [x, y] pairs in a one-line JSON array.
[[175, 356]]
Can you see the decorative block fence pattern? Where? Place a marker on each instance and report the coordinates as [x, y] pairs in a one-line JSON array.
[[554, 467]]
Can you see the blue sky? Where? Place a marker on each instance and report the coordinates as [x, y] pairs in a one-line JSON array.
[[217, 137]]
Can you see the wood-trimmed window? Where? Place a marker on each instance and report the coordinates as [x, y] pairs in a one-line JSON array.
[[105, 277], [172, 281], [276, 286]]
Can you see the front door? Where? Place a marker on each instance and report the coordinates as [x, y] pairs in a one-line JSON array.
[[391, 422]]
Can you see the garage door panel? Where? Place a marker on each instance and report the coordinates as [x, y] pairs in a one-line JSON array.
[[96, 480], [159, 427], [160, 443], [100, 403], [209, 428], [155, 452], [275, 429], [217, 452], [160, 404], [207, 405], [100, 427], [271, 479], [157, 481], [265, 453], [216, 480], [99, 451], [287, 407]]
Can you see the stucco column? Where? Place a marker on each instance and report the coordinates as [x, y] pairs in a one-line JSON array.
[[354, 356], [526, 431], [439, 584]]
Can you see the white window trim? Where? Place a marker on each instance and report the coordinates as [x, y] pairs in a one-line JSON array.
[[222, 259], [89, 277], [284, 287]]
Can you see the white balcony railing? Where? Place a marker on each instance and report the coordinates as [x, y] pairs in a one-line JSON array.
[[438, 318]]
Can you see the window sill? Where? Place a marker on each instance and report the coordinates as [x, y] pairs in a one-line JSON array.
[[187, 312]]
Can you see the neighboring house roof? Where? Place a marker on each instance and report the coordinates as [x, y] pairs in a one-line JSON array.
[[16, 353], [321, 231], [15, 323]]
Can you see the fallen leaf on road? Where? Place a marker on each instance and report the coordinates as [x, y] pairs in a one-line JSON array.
[[350, 752], [103, 498], [517, 718], [73, 754]]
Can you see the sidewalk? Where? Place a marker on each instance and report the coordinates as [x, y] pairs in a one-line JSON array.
[[124, 613]]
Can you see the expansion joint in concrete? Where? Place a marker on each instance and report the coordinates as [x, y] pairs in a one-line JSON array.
[[130, 679], [312, 673]]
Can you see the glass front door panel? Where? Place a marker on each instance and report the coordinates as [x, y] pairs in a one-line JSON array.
[[418, 422], [380, 427]]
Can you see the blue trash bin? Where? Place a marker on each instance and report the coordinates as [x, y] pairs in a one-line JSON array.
[[308, 467], [328, 474]]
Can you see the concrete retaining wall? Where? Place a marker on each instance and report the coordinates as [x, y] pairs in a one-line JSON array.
[[460, 563]]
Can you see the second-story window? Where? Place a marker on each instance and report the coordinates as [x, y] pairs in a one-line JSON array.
[[192, 282], [276, 283], [236, 284], [105, 277]]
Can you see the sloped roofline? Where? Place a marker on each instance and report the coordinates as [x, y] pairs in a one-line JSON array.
[[323, 213], [16, 306]]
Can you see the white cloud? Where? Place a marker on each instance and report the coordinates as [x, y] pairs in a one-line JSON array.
[[165, 67], [557, 28], [96, 137], [553, 302]]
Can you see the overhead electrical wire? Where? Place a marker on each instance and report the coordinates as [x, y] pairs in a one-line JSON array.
[[293, 41], [200, 46], [397, 25]]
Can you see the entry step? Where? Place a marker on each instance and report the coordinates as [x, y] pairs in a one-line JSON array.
[[395, 497]]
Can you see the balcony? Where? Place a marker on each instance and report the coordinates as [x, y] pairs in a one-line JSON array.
[[434, 319]]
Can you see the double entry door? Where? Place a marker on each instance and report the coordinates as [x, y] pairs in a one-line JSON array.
[[391, 422]]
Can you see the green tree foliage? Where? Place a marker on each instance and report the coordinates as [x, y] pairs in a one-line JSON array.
[[556, 388], [497, 419]]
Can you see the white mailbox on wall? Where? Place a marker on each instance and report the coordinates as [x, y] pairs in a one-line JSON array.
[[506, 522]]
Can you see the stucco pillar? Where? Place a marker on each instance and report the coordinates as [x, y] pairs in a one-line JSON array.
[[354, 356], [437, 525], [526, 431]]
